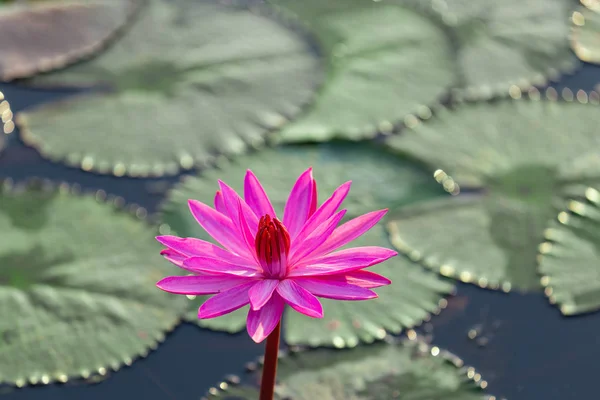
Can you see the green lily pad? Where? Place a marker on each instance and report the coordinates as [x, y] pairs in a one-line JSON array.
[[220, 80], [505, 43], [38, 36], [384, 62], [585, 36], [382, 371], [570, 257], [488, 241], [379, 180], [77, 287], [518, 159]]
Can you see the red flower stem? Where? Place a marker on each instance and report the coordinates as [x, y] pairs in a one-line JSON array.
[[267, 385]]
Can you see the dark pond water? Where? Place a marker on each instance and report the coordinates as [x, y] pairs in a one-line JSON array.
[[525, 349]]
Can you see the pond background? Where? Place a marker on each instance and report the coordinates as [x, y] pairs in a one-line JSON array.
[[530, 352]]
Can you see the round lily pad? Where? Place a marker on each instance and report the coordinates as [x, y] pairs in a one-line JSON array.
[[379, 180], [382, 371], [504, 43], [570, 256], [40, 36], [220, 79], [77, 287], [384, 61], [517, 157], [585, 36]]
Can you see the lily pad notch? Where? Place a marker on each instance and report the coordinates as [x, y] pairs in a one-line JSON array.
[[516, 163], [502, 46], [384, 61]]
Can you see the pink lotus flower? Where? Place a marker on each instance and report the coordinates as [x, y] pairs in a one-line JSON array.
[[269, 263]]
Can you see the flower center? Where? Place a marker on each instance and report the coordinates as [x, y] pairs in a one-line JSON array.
[[272, 246]]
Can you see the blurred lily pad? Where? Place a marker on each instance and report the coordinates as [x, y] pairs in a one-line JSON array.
[[509, 42], [516, 160], [40, 36], [382, 371], [570, 260], [384, 61], [218, 80], [585, 36], [380, 180], [77, 287]]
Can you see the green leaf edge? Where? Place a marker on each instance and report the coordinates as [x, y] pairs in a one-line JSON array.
[[441, 268], [579, 15], [414, 341], [185, 163], [502, 89], [546, 248], [6, 124], [386, 127], [7, 186], [90, 51], [531, 94]]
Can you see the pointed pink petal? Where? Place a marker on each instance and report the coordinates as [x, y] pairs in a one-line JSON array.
[[191, 247], [366, 279], [314, 203], [315, 239], [220, 203], [349, 231], [261, 292], [343, 261], [324, 212], [256, 197], [173, 257], [221, 267], [219, 227], [197, 285], [245, 230], [232, 201], [300, 299], [336, 288], [299, 203], [225, 302], [261, 323]]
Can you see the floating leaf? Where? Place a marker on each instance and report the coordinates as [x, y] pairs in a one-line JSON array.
[[489, 241], [509, 42], [585, 38], [220, 79], [519, 157], [381, 371], [384, 61], [77, 287], [40, 36], [570, 259], [379, 180]]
